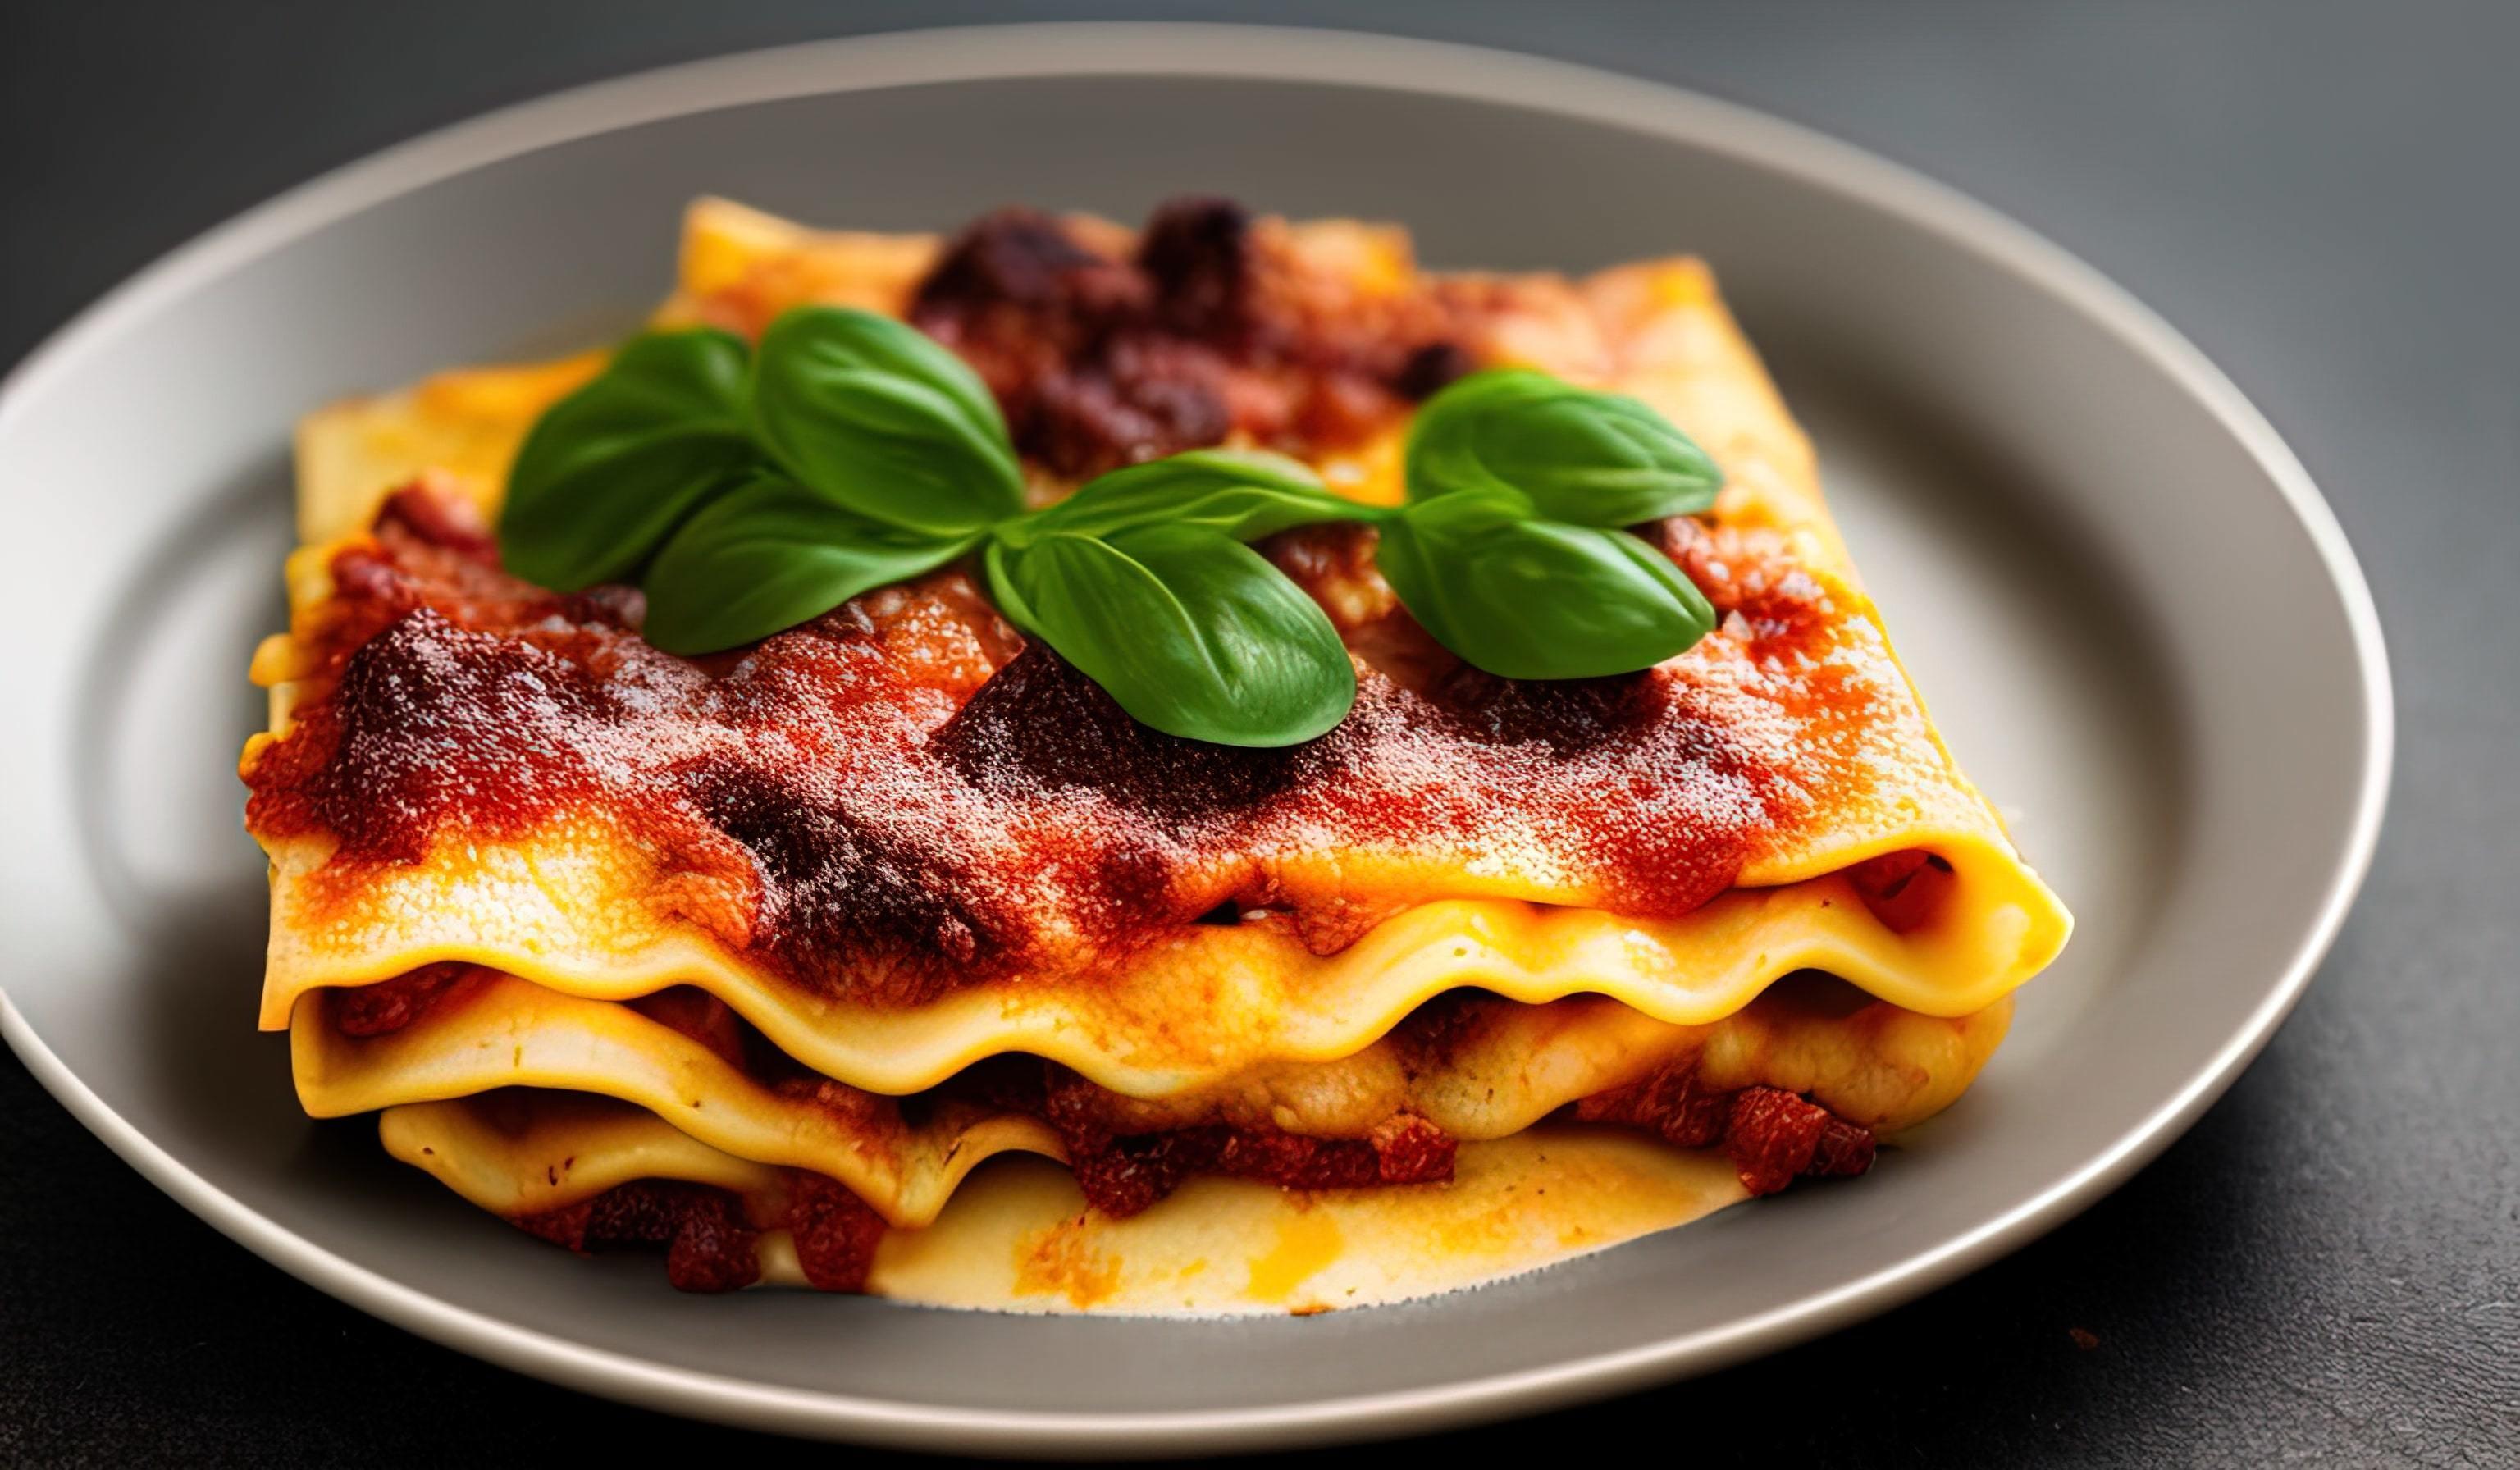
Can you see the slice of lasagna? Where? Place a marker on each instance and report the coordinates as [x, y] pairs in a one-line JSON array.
[[756, 957]]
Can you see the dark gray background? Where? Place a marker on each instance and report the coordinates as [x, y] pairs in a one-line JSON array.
[[2324, 198]]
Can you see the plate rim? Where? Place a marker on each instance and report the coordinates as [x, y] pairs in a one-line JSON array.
[[1365, 59]]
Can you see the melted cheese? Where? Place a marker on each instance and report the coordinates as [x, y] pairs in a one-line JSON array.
[[1019, 1239]]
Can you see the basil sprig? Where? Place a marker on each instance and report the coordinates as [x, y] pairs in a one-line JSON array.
[[1509, 551], [1241, 493], [609, 471], [770, 555], [1533, 599], [1570, 454], [1143, 580], [883, 421], [748, 491], [752, 490], [1190, 630]]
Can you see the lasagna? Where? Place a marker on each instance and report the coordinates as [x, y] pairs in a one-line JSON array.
[[769, 960]]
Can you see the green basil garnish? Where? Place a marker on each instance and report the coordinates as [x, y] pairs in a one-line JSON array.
[[751, 491], [883, 420], [1191, 631], [1587, 457], [771, 554], [1241, 493], [1530, 598], [609, 471]]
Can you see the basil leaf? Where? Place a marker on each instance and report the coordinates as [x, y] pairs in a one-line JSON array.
[[773, 554], [883, 421], [1536, 598], [1571, 454], [1192, 632], [609, 471], [1245, 494]]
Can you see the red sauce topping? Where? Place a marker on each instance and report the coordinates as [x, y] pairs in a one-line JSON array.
[[1122, 1174], [900, 797], [1121, 1177], [709, 1244], [1903, 889], [390, 1005], [835, 1231], [890, 801], [1102, 356], [1772, 1137]]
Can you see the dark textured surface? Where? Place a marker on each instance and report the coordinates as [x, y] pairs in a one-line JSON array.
[[2327, 1270]]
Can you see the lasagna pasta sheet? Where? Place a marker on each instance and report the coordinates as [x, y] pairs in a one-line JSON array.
[[1211, 1001], [1493, 1072], [1480, 976]]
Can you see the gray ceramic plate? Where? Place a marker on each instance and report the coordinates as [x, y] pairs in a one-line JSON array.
[[2138, 623]]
